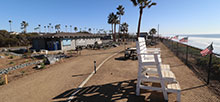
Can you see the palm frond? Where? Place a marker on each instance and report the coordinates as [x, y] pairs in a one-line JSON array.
[[134, 2], [152, 4]]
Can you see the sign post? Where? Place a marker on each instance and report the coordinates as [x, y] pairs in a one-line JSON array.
[[95, 67], [6, 79], [209, 70], [187, 47]]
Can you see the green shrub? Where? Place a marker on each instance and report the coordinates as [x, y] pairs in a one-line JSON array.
[[6, 54], [22, 72], [11, 62], [26, 60], [11, 57], [2, 82], [42, 66]]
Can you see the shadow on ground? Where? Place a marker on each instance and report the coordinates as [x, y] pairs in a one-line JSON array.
[[122, 58], [101, 53], [194, 87], [117, 91], [77, 75]]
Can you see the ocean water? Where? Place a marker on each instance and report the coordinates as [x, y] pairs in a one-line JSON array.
[[202, 41]]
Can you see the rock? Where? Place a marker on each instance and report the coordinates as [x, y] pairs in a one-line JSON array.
[[2, 57], [4, 50], [38, 66], [115, 45], [50, 60]]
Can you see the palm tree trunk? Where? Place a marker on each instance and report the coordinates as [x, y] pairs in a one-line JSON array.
[[24, 30], [119, 29], [112, 29], [114, 32], [139, 22], [10, 27]]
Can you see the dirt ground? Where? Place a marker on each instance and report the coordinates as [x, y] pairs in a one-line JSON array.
[[44, 86], [11, 60], [114, 81]]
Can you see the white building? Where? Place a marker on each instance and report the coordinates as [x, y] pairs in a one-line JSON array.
[[64, 41]]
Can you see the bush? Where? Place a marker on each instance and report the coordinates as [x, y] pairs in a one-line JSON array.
[[6, 54], [2, 82], [42, 66], [11, 57], [11, 62], [22, 72]]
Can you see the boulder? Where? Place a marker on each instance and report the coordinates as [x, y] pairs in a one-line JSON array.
[[4, 50], [50, 60], [115, 45], [2, 57]]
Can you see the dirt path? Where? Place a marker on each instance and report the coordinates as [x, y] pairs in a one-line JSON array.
[[116, 81], [45, 85]]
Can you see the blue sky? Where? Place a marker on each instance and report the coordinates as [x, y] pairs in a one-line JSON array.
[[174, 16]]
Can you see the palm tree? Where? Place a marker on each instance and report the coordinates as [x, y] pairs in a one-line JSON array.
[[35, 29], [90, 30], [24, 25], [124, 29], [71, 28], [57, 27], [120, 13], [152, 32], [52, 29], [113, 20], [66, 27], [142, 4], [45, 29], [75, 29], [110, 20], [39, 26], [49, 27], [10, 25]]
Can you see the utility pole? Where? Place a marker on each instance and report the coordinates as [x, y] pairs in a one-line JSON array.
[[158, 29]]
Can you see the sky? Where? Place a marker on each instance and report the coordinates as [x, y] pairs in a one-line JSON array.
[[173, 16]]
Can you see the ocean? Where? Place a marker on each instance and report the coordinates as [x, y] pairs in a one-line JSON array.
[[202, 41]]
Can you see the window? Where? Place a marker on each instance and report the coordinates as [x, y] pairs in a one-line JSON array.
[[66, 42]]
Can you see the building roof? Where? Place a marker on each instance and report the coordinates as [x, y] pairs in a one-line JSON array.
[[68, 35]]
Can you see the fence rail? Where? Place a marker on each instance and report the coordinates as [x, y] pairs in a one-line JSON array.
[[206, 67]]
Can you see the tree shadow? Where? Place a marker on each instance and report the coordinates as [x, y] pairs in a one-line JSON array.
[[195, 87], [103, 53], [167, 56], [80, 75], [116, 91], [178, 65]]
